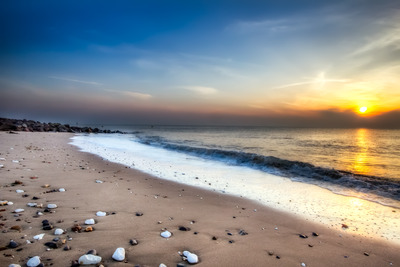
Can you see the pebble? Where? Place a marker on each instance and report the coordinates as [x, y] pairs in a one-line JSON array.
[[191, 257], [133, 242], [243, 232], [166, 234], [33, 262], [303, 264], [58, 231], [31, 204], [66, 248], [90, 222], [13, 244], [99, 181], [89, 259], [18, 210], [61, 190], [38, 237], [16, 227], [92, 252], [9, 203], [183, 228], [139, 214], [53, 244], [119, 254], [19, 191], [303, 236], [101, 213], [89, 229], [14, 265], [51, 206], [315, 234], [76, 228], [162, 265]]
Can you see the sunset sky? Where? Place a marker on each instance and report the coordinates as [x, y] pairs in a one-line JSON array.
[[285, 63]]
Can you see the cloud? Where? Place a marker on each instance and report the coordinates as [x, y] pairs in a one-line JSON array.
[[74, 80], [319, 80], [201, 90], [273, 26], [136, 95]]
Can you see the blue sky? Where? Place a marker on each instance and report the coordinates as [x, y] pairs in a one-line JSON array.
[[312, 63]]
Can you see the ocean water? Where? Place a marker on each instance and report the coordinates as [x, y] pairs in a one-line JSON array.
[[330, 176]]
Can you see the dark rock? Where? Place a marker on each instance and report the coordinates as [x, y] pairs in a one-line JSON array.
[[133, 242], [183, 228], [315, 234], [214, 238], [303, 236], [231, 241], [229, 233], [243, 232], [48, 227], [13, 244], [53, 244], [92, 251], [366, 253], [271, 253], [67, 248], [75, 263], [278, 257], [139, 214]]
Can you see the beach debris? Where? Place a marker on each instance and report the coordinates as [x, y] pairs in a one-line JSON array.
[[90, 222], [119, 254], [190, 257], [38, 237], [32, 204], [53, 245], [183, 228], [303, 236], [61, 190], [89, 229], [101, 213], [133, 242], [13, 244], [19, 191], [243, 232], [166, 234], [76, 228], [18, 210], [33, 262], [51, 206], [16, 228], [47, 225], [88, 259], [59, 231]]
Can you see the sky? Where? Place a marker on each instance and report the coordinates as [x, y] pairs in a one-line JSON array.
[[272, 63]]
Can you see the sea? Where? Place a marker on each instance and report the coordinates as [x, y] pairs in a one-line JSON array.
[[334, 177]]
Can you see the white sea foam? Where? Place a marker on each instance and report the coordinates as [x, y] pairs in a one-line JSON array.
[[308, 201]]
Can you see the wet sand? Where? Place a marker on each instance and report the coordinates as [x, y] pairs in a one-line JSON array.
[[215, 220]]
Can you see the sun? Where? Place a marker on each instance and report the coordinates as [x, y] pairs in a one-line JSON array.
[[363, 109]]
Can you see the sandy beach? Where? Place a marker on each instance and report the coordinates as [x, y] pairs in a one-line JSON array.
[[221, 230]]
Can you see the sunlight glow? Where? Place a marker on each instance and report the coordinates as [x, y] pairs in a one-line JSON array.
[[363, 109]]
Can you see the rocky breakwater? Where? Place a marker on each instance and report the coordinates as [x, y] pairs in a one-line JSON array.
[[36, 126]]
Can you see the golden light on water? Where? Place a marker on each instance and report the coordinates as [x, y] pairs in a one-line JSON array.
[[362, 158]]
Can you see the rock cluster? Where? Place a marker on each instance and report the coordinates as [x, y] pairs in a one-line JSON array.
[[36, 126]]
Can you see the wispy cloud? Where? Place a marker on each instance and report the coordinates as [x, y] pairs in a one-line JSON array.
[[319, 80], [273, 26], [201, 90], [130, 94], [74, 80]]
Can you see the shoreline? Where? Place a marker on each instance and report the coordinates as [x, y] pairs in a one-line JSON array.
[[129, 192]]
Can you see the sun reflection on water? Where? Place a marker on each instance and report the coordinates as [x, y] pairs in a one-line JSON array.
[[362, 161]]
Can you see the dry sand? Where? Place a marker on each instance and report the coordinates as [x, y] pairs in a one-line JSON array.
[[49, 159]]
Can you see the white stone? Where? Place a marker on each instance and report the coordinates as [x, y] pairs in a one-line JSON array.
[[90, 221], [303, 264], [31, 204], [14, 265], [38, 237], [101, 213], [1, 165], [89, 259], [2, 159], [119, 254], [58, 231], [99, 181], [10, 203], [15, 161], [19, 191], [166, 234], [191, 257], [61, 190], [51, 206], [33, 262], [18, 210], [162, 265]]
